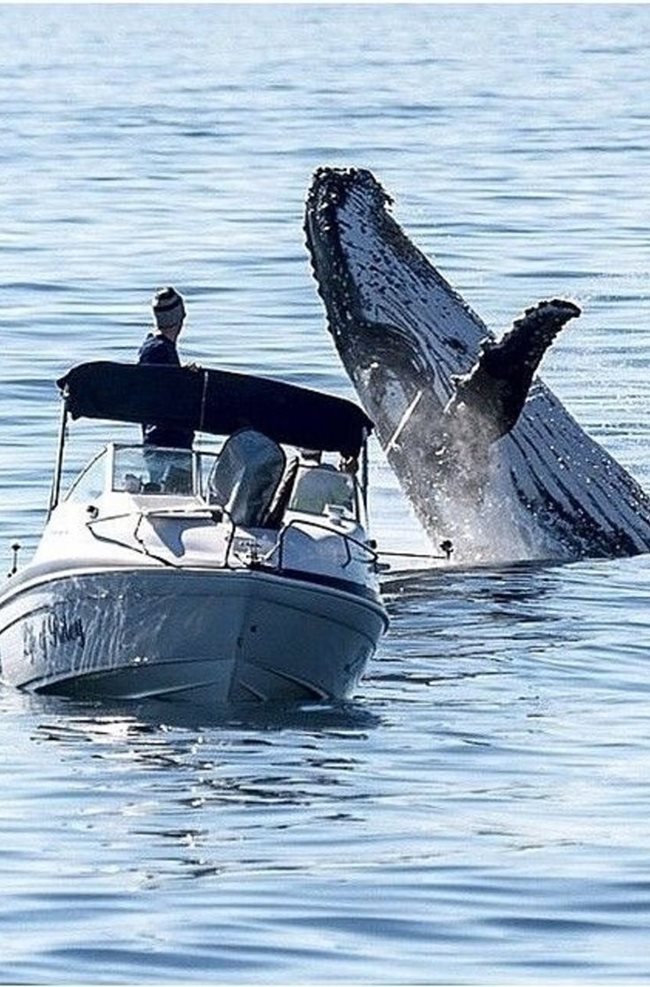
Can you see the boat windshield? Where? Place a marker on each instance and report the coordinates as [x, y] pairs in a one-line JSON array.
[[319, 488], [222, 478], [153, 470], [91, 482]]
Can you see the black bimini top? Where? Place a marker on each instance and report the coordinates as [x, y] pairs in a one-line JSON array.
[[215, 401]]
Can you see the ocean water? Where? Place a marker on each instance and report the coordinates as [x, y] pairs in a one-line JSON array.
[[479, 813]]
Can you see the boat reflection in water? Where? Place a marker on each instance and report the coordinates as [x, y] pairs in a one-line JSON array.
[[214, 576]]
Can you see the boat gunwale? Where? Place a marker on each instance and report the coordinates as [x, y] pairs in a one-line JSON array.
[[312, 581]]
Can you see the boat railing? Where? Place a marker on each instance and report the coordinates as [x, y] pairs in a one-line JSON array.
[[245, 548], [349, 541], [213, 513]]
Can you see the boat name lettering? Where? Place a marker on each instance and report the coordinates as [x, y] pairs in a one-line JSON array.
[[53, 632]]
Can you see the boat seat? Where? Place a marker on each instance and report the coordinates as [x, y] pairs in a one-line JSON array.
[[246, 476], [131, 483], [177, 480], [275, 513]]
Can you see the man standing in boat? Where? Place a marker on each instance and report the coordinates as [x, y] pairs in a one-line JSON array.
[[159, 348]]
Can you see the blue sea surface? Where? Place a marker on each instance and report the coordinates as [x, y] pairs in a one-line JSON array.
[[480, 812]]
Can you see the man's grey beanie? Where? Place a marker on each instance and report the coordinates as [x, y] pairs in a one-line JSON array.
[[168, 308]]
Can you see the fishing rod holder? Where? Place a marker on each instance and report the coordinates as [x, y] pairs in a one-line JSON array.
[[447, 546], [15, 548]]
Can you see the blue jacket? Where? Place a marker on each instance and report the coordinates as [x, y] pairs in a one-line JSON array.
[[159, 350]]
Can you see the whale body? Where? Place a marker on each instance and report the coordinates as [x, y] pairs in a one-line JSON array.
[[487, 455]]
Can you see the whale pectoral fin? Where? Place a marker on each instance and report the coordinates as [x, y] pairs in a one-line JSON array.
[[491, 396]]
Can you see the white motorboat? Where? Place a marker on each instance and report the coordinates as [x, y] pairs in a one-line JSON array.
[[242, 574]]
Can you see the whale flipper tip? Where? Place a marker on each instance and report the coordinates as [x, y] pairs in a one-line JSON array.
[[496, 388]]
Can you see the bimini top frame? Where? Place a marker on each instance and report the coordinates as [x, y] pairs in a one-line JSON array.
[[215, 401]]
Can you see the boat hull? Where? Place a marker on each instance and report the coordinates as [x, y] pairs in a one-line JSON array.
[[213, 637]]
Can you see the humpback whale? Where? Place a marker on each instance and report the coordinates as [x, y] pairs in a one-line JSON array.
[[487, 455]]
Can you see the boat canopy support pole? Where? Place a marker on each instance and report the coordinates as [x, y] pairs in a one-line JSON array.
[[58, 469], [364, 474]]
